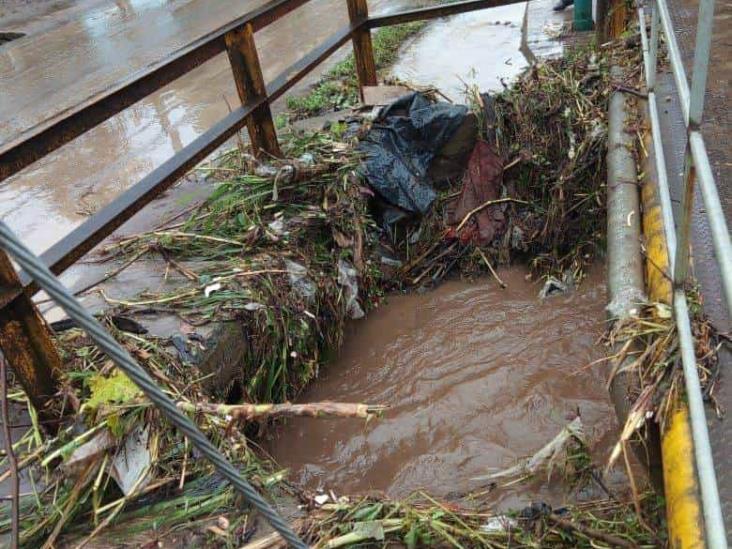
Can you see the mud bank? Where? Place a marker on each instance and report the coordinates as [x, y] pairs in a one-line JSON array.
[[476, 377]]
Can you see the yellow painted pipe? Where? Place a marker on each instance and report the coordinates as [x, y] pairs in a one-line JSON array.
[[683, 507]]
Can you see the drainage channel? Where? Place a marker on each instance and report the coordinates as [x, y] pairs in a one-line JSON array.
[[475, 378]]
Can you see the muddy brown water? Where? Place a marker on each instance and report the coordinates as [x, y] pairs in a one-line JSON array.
[[476, 378]]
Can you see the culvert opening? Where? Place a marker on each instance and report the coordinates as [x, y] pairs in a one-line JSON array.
[[6, 37]]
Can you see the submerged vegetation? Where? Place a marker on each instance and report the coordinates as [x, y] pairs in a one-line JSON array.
[[290, 250]]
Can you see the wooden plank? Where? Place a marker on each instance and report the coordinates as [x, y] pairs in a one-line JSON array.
[[382, 95], [26, 343], [250, 86], [363, 49]]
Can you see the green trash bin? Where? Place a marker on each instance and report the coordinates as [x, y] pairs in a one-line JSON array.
[[582, 15]]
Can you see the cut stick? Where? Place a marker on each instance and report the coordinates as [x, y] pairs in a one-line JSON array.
[[248, 412], [474, 211]]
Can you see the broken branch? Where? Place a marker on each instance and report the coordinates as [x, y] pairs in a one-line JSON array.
[[474, 211], [248, 412]]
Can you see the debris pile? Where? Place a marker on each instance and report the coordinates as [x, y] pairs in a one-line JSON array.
[[290, 250], [647, 346]]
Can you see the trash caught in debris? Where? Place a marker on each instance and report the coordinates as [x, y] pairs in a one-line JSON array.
[[400, 146]]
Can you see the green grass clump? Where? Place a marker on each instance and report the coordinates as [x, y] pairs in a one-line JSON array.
[[339, 87]]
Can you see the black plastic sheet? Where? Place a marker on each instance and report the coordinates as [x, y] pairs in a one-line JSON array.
[[403, 141]]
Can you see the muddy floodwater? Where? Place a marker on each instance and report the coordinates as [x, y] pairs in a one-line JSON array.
[[476, 377], [480, 49]]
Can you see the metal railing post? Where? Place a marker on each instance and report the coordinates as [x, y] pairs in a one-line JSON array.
[[25, 340], [702, 50], [694, 116], [363, 50], [250, 85]]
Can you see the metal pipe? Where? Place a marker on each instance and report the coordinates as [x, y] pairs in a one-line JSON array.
[[714, 523], [701, 61], [625, 267], [704, 174], [625, 264], [716, 536], [674, 54]]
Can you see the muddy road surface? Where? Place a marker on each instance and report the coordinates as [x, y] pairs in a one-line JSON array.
[[476, 378]]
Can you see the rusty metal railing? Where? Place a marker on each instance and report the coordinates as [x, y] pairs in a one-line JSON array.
[[23, 335]]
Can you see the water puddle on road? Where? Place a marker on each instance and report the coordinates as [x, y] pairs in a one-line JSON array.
[[480, 49], [476, 378]]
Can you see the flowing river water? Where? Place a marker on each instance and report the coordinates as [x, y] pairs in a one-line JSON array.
[[475, 378]]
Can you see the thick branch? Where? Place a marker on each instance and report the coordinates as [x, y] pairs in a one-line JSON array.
[[249, 412]]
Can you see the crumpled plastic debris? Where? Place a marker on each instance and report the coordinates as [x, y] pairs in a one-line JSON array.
[[348, 278], [501, 523], [131, 464], [277, 227], [307, 159], [552, 286], [299, 280], [403, 141]]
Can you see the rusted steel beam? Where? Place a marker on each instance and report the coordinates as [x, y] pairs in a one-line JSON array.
[[81, 240], [78, 242], [46, 137], [26, 343], [363, 50], [250, 85], [434, 12]]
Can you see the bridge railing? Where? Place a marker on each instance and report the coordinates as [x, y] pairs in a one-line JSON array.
[[697, 171]]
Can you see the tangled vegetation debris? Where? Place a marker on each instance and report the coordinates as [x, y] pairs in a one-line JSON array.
[[422, 521], [291, 250], [648, 348]]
